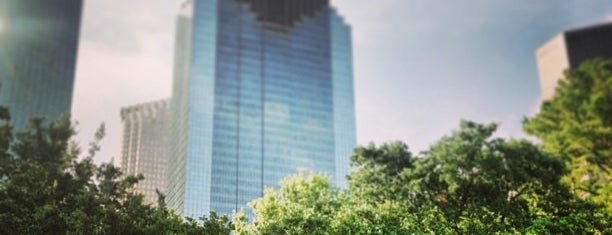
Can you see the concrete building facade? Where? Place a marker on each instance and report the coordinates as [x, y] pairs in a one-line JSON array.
[[568, 50]]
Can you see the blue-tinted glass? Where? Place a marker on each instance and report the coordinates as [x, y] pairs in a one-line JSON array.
[[261, 104], [344, 106], [38, 47]]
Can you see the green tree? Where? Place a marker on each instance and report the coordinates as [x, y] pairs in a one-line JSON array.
[[46, 189], [471, 183], [377, 171], [309, 204], [482, 185], [303, 205], [576, 126], [466, 183]]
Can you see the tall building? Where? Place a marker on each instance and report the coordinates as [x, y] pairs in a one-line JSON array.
[[38, 48], [568, 50], [144, 146], [261, 88]]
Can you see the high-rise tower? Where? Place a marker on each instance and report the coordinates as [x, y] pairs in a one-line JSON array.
[[144, 146], [38, 48], [261, 88], [568, 50]]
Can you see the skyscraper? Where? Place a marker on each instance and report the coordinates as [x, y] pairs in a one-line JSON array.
[[144, 146], [568, 50], [261, 88], [38, 48]]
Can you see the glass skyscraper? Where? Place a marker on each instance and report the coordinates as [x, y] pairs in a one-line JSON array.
[[144, 146], [261, 89], [38, 48]]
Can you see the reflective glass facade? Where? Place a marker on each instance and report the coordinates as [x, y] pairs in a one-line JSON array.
[[144, 146], [38, 48], [254, 101]]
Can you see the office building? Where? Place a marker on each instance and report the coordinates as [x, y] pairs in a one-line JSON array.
[[144, 146], [568, 50], [261, 88], [38, 49]]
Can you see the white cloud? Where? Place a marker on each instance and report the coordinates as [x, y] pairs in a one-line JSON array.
[[125, 57]]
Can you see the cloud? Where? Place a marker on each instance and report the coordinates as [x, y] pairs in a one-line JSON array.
[[106, 81], [123, 25], [125, 57]]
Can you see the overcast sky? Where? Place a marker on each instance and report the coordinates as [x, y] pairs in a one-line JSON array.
[[420, 65]]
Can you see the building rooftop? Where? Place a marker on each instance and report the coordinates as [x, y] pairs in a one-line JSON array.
[[283, 15]]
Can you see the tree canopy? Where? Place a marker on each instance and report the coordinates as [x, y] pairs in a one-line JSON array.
[[309, 204], [575, 125], [45, 188], [466, 183]]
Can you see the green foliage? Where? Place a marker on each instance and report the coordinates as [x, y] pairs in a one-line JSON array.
[[304, 205], [576, 126], [466, 183], [483, 185], [309, 204], [46, 189], [378, 170]]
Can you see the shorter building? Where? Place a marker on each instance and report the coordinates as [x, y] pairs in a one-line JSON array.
[[568, 50], [144, 146]]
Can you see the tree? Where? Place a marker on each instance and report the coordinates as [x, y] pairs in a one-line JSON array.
[[472, 183], [309, 204], [482, 185], [576, 126], [46, 189], [466, 183], [303, 205], [377, 169]]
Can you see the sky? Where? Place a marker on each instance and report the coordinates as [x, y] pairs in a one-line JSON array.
[[420, 66]]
